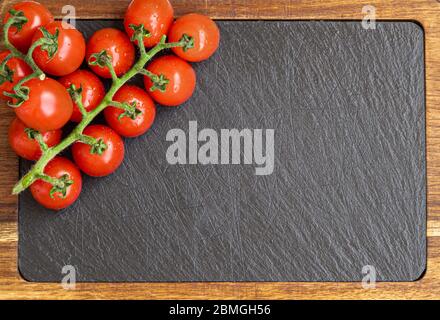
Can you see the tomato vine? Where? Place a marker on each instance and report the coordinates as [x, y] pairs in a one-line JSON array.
[[49, 43]]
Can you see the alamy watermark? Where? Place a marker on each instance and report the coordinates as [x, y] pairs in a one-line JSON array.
[[69, 18], [69, 280], [369, 279], [209, 146], [369, 20]]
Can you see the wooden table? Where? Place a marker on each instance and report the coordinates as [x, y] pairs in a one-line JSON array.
[[425, 12]]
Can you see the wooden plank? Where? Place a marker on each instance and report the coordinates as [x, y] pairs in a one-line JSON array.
[[12, 286]]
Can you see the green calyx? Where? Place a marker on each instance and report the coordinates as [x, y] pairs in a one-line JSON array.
[[101, 59], [98, 147], [60, 185], [187, 42], [6, 74], [31, 133], [139, 32], [49, 42], [130, 111], [75, 93], [18, 19], [20, 95], [159, 83], [36, 135]]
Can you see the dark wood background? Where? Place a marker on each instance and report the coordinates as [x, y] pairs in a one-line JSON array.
[[426, 12]]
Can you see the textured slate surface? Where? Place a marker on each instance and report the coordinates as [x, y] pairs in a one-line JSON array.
[[348, 188]]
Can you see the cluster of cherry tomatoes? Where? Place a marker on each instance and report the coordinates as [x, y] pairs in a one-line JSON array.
[[49, 106]]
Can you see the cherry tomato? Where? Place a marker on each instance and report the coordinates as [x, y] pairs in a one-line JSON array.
[[181, 76], [127, 126], [202, 29], [92, 90], [57, 168], [37, 16], [49, 106], [155, 15], [117, 45], [26, 147], [94, 164], [70, 53], [19, 70]]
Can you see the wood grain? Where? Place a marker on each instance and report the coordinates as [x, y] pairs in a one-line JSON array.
[[426, 12]]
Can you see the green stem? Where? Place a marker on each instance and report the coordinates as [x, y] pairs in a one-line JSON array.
[[87, 139], [40, 140], [5, 61], [149, 74], [76, 134], [117, 104], [25, 79], [76, 95], [81, 107], [122, 106], [37, 72], [112, 71], [53, 181], [30, 61], [15, 52]]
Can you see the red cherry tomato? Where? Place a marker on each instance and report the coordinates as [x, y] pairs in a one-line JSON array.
[[37, 16], [99, 165], [117, 45], [49, 106], [26, 147], [92, 90], [127, 126], [70, 53], [181, 76], [155, 15], [19, 69], [202, 29], [57, 168]]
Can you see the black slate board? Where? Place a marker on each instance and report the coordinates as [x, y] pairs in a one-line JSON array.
[[348, 187]]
